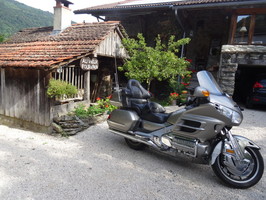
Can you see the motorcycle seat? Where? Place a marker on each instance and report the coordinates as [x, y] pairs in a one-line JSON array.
[[151, 111], [135, 97]]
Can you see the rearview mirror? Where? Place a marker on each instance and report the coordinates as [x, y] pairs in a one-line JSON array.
[[201, 92]]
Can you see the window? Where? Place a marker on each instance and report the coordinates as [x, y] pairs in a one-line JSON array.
[[242, 29], [259, 36], [249, 28]]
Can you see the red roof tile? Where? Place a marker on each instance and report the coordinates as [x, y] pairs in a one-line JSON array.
[[36, 47]]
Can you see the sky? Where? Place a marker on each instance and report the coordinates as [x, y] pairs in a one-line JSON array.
[[48, 5]]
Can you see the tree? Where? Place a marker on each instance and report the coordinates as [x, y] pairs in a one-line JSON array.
[[160, 62], [2, 38]]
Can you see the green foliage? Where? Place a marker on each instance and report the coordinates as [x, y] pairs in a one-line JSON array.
[[159, 62], [180, 84], [101, 106], [15, 16], [105, 104], [59, 88], [81, 111], [2, 38]]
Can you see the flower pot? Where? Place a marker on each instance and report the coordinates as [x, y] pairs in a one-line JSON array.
[[173, 103]]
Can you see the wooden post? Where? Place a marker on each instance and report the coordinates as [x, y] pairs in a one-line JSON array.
[[87, 85], [2, 91]]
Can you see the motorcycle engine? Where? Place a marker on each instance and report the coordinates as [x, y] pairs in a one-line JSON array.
[[187, 146]]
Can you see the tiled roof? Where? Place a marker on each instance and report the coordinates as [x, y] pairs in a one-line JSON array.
[[129, 4], [36, 47]]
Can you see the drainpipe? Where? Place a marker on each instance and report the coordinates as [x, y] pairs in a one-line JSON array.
[[183, 46], [184, 31]]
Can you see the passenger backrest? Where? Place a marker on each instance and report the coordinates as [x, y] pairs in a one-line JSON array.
[[134, 93]]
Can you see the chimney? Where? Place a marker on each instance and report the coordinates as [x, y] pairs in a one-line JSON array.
[[62, 15]]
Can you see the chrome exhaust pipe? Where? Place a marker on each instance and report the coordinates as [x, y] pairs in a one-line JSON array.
[[135, 138]]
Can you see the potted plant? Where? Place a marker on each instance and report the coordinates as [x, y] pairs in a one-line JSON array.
[[173, 98], [58, 89]]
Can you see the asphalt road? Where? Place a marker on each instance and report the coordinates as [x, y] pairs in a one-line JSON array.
[[96, 164]]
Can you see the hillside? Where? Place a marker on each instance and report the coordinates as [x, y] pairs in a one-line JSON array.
[[15, 16]]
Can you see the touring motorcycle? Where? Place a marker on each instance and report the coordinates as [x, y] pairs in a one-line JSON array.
[[201, 129]]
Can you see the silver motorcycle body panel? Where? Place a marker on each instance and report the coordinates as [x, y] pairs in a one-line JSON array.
[[245, 142], [151, 126], [200, 123], [123, 120]]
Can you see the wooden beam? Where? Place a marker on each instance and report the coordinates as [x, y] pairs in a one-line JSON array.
[[87, 85], [2, 90], [251, 29], [232, 29], [249, 11]]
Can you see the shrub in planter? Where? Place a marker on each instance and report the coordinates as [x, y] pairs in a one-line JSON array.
[[101, 106], [59, 88]]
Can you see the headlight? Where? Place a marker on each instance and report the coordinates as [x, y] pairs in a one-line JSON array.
[[236, 118], [225, 111], [229, 113]]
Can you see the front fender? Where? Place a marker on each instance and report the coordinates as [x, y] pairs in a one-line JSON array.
[[245, 142], [216, 152], [242, 141]]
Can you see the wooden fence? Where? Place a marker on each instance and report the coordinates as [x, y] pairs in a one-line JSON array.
[[73, 75]]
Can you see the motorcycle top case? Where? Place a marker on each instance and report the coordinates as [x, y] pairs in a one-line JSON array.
[[122, 120]]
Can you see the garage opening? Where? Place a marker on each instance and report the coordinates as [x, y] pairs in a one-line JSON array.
[[245, 78]]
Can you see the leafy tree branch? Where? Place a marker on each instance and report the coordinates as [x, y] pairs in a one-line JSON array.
[[160, 62]]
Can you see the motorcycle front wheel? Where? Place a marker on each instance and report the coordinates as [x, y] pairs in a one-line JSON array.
[[247, 177]]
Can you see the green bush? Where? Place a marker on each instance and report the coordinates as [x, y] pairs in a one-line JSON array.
[[102, 106], [59, 88], [81, 111]]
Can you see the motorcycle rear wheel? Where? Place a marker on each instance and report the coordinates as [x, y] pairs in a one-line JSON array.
[[135, 145], [246, 180]]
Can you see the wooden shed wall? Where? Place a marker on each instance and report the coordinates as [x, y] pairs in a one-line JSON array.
[[23, 95], [111, 46]]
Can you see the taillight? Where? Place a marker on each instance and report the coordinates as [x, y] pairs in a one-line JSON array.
[[255, 99], [257, 85]]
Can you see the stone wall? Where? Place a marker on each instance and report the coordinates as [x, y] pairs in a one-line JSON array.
[[234, 55], [70, 125]]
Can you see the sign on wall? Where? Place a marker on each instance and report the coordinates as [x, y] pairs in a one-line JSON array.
[[89, 63]]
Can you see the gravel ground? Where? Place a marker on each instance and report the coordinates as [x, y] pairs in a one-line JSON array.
[[96, 164]]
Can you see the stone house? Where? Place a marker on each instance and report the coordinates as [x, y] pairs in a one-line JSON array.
[[228, 37], [84, 55]]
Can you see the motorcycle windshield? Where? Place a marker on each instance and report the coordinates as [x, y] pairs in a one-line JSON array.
[[207, 81]]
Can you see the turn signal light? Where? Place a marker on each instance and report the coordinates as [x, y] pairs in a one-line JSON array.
[[230, 151], [205, 93]]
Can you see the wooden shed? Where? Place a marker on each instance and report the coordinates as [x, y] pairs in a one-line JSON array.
[[30, 58]]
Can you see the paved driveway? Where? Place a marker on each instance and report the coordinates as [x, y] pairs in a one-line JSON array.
[[96, 164]]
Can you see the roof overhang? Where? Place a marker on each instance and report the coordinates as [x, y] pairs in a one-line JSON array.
[[139, 9], [233, 5]]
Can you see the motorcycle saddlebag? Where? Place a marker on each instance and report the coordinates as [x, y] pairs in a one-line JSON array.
[[122, 120]]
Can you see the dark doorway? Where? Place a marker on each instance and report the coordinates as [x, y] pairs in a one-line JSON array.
[[244, 79]]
